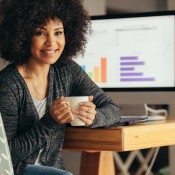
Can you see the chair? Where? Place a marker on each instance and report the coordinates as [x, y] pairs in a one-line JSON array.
[[6, 167]]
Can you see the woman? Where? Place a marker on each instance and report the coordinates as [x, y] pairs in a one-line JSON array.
[[39, 38]]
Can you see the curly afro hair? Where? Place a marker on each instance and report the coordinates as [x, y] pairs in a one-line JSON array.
[[19, 19]]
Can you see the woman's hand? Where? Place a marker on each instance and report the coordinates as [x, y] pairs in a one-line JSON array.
[[60, 111], [86, 111]]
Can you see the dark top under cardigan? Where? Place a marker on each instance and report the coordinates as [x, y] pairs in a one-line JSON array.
[[26, 133]]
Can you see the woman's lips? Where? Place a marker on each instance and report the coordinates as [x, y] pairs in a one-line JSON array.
[[49, 52]]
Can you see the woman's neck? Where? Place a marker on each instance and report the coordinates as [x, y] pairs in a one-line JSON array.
[[36, 78]]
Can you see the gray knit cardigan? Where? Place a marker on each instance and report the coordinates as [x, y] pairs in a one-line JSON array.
[[26, 133]]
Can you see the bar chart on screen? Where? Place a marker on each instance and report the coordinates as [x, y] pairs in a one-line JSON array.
[[128, 72], [120, 71], [98, 73], [130, 53]]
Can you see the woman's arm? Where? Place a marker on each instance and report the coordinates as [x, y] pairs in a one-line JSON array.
[[107, 112]]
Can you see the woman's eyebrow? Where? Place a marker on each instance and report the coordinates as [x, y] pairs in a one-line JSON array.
[[40, 28], [44, 28], [58, 28]]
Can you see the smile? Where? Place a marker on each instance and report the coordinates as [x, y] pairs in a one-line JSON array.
[[49, 51]]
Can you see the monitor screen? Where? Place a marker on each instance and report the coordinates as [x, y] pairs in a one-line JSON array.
[[131, 52]]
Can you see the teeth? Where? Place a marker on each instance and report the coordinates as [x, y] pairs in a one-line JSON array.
[[49, 51]]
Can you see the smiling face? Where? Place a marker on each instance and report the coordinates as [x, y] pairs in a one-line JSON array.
[[48, 43]]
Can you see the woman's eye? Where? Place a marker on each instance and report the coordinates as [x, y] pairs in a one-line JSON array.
[[58, 33], [39, 33]]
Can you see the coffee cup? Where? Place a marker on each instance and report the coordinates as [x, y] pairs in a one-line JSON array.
[[74, 103]]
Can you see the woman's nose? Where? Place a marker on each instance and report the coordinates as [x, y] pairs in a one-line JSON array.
[[50, 40]]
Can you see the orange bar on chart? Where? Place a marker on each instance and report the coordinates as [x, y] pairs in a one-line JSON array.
[[96, 74], [103, 70]]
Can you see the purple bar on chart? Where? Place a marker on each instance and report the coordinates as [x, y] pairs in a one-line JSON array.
[[136, 79], [131, 74], [83, 67], [132, 63], [126, 68], [129, 58]]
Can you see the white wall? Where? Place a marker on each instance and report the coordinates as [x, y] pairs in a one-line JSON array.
[[171, 4], [95, 7], [136, 5]]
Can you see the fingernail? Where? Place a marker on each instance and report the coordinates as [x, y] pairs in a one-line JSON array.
[[65, 102]]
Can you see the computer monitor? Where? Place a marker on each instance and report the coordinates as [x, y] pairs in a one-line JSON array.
[[130, 55]]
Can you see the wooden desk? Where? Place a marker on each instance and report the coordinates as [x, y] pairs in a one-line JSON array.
[[97, 144]]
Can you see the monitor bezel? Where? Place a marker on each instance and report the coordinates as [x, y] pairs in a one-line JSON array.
[[132, 15]]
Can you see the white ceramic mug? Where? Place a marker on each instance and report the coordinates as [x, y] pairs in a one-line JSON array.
[[74, 103]]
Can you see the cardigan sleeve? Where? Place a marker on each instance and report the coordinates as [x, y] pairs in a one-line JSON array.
[[108, 112]]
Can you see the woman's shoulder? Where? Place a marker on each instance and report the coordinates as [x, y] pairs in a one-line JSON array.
[[8, 74], [69, 65]]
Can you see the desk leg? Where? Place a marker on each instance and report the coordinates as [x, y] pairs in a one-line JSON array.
[[97, 163]]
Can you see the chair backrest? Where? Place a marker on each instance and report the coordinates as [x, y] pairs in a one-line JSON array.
[[5, 158]]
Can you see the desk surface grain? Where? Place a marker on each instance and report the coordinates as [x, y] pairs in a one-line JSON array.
[[125, 138]]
